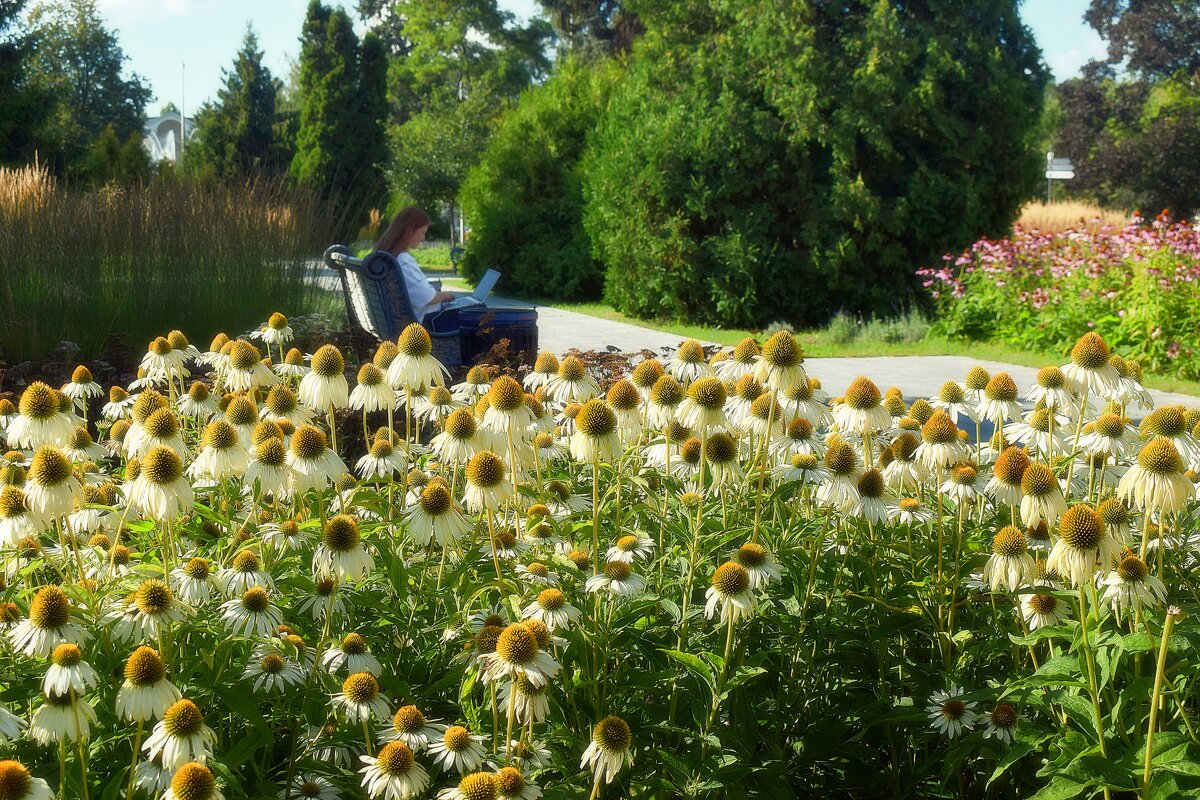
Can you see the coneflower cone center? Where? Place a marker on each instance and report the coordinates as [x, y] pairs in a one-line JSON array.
[[1090, 352], [1051, 378], [457, 738], [145, 667], [708, 393], [1160, 457], [551, 599], [939, 429], [954, 709], [241, 411], [1004, 716], [509, 782], [49, 466], [1113, 512], [1132, 569], [617, 570], [1110, 426], [1081, 527], [506, 394], [361, 687], [193, 782], [731, 578], [50, 608], [571, 370], [38, 401], [478, 786], [220, 435], [862, 394], [328, 361], [15, 780], [1043, 603], [666, 392], [67, 655], [624, 396], [395, 758], [243, 356], [1009, 542], [840, 458], [595, 419], [272, 664], [612, 734], [781, 350], [354, 644], [341, 533], [1001, 388], [690, 352], [486, 469], [547, 363], [414, 341], [460, 424], [951, 392], [154, 597], [435, 499], [722, 448], [1038, 480], [963, 474], [870, 484], [183, 719], [408, 719], [255, 600]]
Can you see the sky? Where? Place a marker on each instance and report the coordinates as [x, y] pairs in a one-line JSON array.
[[181, 46]]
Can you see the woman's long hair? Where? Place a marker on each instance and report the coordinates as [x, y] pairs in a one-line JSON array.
[[399, 233]]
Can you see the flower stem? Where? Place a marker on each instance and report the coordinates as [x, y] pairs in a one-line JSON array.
[[1159, 674]]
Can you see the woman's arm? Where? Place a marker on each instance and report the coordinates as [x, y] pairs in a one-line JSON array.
[[420, 293]]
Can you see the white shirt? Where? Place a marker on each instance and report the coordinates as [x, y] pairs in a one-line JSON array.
[[420, 292]]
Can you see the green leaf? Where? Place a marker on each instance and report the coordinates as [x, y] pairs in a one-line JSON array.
[[1011, 756], [1061, 788], [694, 665]]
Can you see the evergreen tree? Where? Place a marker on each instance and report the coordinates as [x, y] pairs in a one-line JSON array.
[[24, 108], [236, 133], [372, 126], [328, 141], [81, 63]]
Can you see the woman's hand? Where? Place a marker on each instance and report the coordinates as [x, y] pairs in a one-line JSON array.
[[441, 297]]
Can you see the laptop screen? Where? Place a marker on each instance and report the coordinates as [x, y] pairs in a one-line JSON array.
[[486, 284]]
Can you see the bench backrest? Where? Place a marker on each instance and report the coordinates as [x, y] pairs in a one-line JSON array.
[[376, 295]]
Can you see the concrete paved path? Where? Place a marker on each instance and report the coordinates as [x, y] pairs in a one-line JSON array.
[[917, 376]]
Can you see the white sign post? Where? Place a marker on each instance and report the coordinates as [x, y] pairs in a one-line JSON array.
[[1057, 169]]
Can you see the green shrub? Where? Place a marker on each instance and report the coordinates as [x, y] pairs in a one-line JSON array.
[[524, 198], [767, 160]]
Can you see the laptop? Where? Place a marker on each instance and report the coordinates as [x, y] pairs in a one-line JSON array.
[[477, 297]]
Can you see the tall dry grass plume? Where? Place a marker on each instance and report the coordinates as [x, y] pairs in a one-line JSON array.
[[1064, 214], [79, 264]]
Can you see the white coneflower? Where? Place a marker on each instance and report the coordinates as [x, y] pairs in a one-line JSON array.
[[1156, 481], [11, 725], [414, 364], [245, 571], [940, 444], [360, 699], [243, 415], [688, 363], [193, 781], [164, 361], [410, 726], [953, 400], [625, 401], [272, 671], [161, 427], [1042, 432], [180, 737], [252, 615], [434, 407], [276, 331], [17, 784], [488, 486], [68, 672], [456, 444], [1108, 437], [798, 437], [779, 366], [861, 411], [1042, 610], [1129, 389], [51, 488], [1051, 389], [151, 607], [910, 511], [244, 369], [1089, 368], [147, 693], [371, 392], [552, 609], [195, 581], [758, 563], [393, 774], [999, 403], [313, 464], [800, 400], [342, 552], [745, 391], [17, 522], [475, 786], [269, 469], [309, 787], [618, 579], [198, 403], [549, 450], [512, 785], [82, 448], [324, 388], [841, 490], [595, 439], [535, 573], [160, 490], [964, 484], [1010, 566], [1083, 544], [40, 420], [49, 624], [326, 597], [704, 406], [730, 593], [293, 365], [950, 714], [518, 654], [572, 384], [506, 412], [458, 750], [475, 385], [610, 749], [81, 387], [436, 517], [1005, 484], [381, 461], [545, 367], [663, 401], [282, 405], [629, 547], [351, 653], [1042, 497], [1001, 723], [873, 497], [1131, 586], [62, 718], [118, 405], [802, 468], [222, 455]]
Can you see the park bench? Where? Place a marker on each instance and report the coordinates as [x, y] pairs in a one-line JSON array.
[[377, 299]]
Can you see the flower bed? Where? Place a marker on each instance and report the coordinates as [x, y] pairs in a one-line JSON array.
[[1139, 287], [701, 578]]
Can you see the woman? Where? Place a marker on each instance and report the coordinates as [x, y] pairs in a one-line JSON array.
[[406, 231]]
